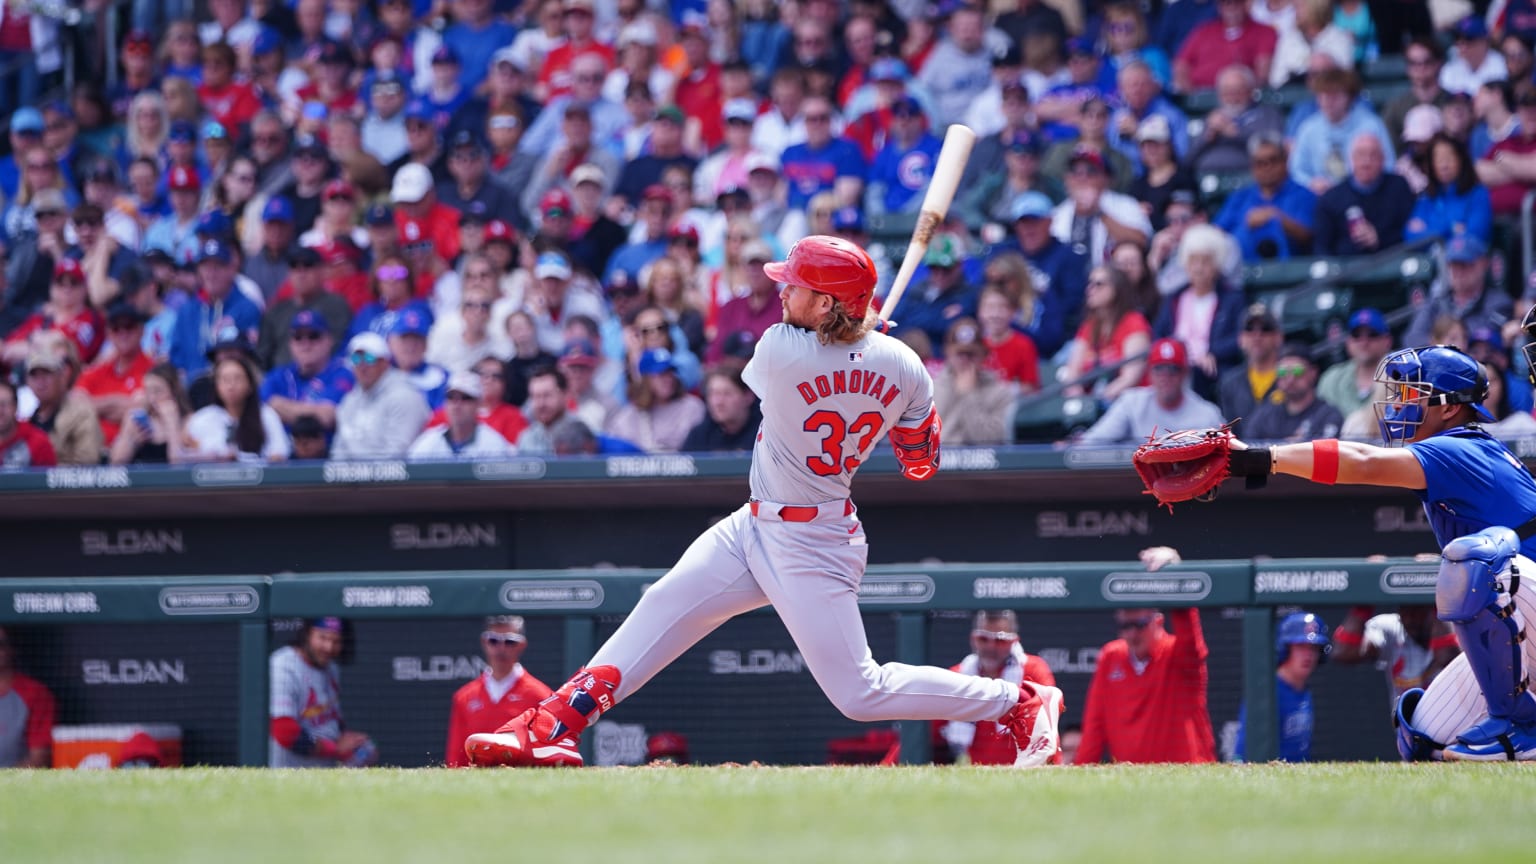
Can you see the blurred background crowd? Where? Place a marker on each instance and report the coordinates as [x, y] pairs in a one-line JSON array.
[[472, 228]]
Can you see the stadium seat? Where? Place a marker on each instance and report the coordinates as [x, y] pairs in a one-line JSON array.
[[1216, 187], [1391, 67]]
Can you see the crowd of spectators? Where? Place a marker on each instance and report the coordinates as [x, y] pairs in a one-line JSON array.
[[473, 228]]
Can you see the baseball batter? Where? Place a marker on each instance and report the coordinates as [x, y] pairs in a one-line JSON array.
[[831, 389], [1479, 708]]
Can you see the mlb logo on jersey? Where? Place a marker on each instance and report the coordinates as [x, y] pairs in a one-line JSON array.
[[855, 356]]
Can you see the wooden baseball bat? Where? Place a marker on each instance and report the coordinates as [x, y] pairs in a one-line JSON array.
[[956, 151]]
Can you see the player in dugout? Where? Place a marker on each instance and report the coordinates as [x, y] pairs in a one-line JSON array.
[[1481, 505], [831, 387]]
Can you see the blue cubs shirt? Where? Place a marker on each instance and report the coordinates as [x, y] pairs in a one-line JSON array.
[[807, 171], [1296, 722], [905, 172], [325, 387], [1473, 482]]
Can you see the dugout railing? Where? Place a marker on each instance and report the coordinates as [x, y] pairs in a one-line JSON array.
[[742, 694]]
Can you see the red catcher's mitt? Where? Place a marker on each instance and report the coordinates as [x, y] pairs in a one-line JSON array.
[[1184, 466]]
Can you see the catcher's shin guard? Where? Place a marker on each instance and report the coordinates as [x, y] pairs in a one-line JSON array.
[[549, 734], [1034, 723], [1474, 594], [1412, 745]]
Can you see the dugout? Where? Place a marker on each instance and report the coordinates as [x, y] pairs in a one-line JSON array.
[[193, 651]]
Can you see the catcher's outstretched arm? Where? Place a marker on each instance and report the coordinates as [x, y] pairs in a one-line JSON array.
[[1352, 462]]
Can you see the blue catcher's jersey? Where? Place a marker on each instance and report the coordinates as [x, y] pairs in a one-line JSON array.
[[1473, 482]]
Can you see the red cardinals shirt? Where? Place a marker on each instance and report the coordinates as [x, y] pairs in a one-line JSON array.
[[85, 329], [233, 105], [475, 711], [1158, 714], [505, 419], [441, 226], [28, 447], [105, 380], [1015, 359]]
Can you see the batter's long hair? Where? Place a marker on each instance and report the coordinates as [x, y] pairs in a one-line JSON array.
[[839, 326]]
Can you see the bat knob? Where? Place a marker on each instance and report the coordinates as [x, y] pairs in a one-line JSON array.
[[885, 326]]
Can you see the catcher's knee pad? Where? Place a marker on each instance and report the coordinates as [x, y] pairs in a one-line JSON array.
[[1472, 573], [1474, 592], [1412, 745]]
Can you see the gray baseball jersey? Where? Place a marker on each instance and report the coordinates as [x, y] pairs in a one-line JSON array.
[[311, 696], [1403, 660], [826, 407]]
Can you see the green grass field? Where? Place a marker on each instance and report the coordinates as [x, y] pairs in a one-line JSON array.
[[1219, 814]]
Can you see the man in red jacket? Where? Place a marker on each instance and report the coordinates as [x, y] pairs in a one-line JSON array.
[[22, 445], [1147, 700], [502, 692]]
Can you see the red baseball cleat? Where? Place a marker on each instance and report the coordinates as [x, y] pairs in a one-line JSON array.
[[549, 735], [525, 741], [1034, 724]]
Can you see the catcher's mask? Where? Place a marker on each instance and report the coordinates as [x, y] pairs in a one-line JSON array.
[[1417, 378], [1529, 348]]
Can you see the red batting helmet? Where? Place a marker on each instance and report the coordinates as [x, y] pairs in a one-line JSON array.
[[832, 266]]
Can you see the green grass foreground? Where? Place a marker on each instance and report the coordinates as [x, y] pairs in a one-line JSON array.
[[1190, 815]]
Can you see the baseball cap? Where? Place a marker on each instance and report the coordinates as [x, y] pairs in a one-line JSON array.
[[847, 219], [1421, 123], [656, 192], [759, 161], [1079, 46], [1008, 54], [70, 267], [369, 343], [214, 224], [683, 231], [1168, 352], [410, 323], [278, 209], [579, 352], [42, 358], [329, 623], [656, 361], [214, 249], [183, 177], [552, 265], [507, 55], [474, 213], [588, 173], [333, 52], [943, 252], [182, 131], [466, 382], [338, 188], [555, 203], [889, 69], [671, 746], [445, 54], [1084, 156], [1484, 334], [906, 106], [341, 250], [419, 109], [639, 32], [230, 337], [379, 214], [49, 201], [1154, 128], [122, 310], [412, 183], [1031, 205], [267, 41], [1259, 313], [1371, 319], [309, 320], [27, 120], [1023, 141], [309, 145], [1464, 248], [671, 113], [497, 230], [213, 130], [138, 42], [101, 171], [465, 139], [304, 256], [744, 110], [1472, 27], [756, 251]]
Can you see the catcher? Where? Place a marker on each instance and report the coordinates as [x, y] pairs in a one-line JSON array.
[[1481, 505]]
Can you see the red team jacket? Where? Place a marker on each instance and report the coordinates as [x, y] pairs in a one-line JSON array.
[[473, 711], [1159, 715]]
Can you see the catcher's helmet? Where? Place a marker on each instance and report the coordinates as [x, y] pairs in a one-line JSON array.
[[1301, 628], [1439, 375], [830, 265]]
